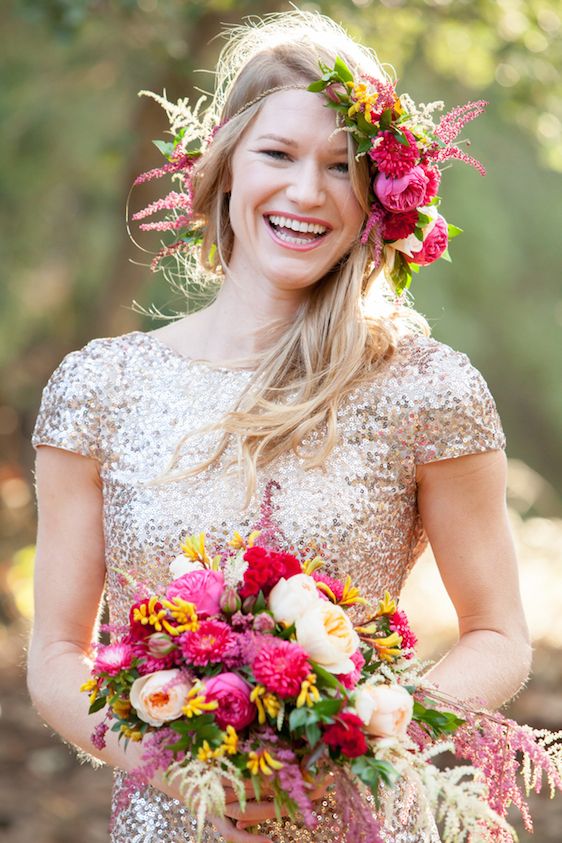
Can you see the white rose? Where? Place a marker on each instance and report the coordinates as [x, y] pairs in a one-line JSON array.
[[181, 565], [411, 244], [159, 697], [290, 598], [327, 635], [386, 710]]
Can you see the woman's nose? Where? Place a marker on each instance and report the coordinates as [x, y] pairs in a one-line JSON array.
[[306, 187]]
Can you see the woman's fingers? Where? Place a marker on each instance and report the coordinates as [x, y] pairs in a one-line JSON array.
[[230, 793], [254, 812], [232, 834]]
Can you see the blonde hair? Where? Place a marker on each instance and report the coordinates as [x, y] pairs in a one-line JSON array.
[[350, 322]]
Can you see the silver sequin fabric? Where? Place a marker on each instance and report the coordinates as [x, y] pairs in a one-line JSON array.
[[126, 401]]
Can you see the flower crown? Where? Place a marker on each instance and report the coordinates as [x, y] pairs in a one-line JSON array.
[[404, 229]]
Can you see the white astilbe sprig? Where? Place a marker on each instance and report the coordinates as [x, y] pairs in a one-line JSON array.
[[202, 790], [182, 115], [421, 113], [456, 797], [234, 569]]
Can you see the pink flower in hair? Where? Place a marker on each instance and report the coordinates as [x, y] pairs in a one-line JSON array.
[[448, 130], [392, 157], [402, 194], [434, 244]]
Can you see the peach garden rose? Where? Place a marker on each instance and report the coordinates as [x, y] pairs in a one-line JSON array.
[[159, 697]]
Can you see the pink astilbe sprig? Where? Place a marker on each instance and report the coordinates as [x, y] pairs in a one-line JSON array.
[[155, 757], [374, 224], [175, 224], [448, 130], [170, 202], [165, 252], [503, 750], [360, 824], [291, 780], [181, 162]]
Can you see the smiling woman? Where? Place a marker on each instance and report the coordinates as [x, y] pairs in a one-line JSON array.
[[307, 196]]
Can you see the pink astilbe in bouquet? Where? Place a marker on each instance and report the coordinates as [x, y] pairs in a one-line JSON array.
[[248, 667]]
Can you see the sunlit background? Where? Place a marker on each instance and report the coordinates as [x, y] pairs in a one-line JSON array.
[[75, 134]]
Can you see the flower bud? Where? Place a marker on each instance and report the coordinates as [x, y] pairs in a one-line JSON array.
[[160, 644], [264, 623], [249, 603], [230, 601]]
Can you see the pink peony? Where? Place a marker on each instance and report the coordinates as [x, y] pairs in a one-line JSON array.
[[433, 245], [434, 180], [202, 587], [402, 194], [233, 696], [210, 643], [392, 157], [350, 680], [281, 667], [113, 658]]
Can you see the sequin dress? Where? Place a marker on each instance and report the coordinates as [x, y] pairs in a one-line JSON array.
[[127, 400]]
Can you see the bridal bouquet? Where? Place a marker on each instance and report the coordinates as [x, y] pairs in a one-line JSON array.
[[249, 667]]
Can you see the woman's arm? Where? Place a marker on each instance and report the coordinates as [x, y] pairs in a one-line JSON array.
[[69, 581], [463, 509]]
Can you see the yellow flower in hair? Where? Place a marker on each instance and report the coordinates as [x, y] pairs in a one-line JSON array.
[[262, 762]]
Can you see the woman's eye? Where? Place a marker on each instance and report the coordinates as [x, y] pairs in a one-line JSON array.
[[275, 153], [342, 167]]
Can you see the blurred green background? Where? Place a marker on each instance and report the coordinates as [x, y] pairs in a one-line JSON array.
[[75, 134]]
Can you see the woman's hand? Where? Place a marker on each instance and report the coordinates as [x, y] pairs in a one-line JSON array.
[[256, 812]]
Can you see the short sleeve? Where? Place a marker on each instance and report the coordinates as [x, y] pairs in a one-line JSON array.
[[71, 405], [457, 414]]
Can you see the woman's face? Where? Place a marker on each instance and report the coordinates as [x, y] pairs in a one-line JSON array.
[[292, 208]]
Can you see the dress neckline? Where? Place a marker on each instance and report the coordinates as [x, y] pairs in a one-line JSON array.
[[207, 365]]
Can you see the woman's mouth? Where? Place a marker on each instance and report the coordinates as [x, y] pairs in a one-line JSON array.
[[295, 233]]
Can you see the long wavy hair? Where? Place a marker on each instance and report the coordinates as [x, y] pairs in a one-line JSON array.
[[349, 322]]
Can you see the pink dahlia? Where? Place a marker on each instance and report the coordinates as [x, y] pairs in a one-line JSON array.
[[336, 586], [400, 226], [210, 643], [392, 157], [350, 680], [399, 623], [281, 667], [265, 569], [113, 658]]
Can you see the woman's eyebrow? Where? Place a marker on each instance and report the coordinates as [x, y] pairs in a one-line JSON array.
[[290, 142]]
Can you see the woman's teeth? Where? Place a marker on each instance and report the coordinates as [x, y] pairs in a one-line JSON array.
[[283, 225]]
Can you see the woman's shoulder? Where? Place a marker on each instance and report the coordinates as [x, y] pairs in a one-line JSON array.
[[434, 368]]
